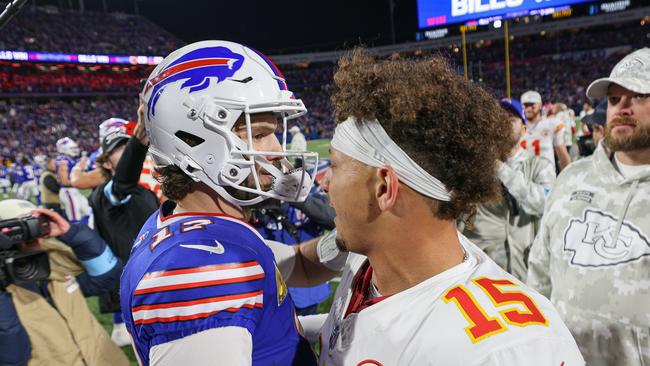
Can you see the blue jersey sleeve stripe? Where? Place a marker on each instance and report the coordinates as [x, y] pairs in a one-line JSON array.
[[191, 310], [200, 277]]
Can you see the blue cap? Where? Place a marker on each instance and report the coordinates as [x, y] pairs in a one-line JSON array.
[[599, 117], [513, 106]]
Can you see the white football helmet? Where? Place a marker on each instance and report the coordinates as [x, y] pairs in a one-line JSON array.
[[40, 160], [200, 91], [67, 146]]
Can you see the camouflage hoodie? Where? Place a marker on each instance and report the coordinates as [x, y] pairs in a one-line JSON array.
[[592, 259]]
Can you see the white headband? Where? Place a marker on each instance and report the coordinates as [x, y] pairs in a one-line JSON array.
[[368, 143]]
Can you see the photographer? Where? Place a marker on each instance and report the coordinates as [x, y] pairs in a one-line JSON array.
[[52, 309], [505, 229]]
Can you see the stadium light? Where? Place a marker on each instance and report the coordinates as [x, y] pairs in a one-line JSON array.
[[497, 24]]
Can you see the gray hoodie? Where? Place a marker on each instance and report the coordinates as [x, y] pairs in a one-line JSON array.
[[591, 257]]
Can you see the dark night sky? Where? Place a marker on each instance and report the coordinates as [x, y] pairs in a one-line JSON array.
[[289, 25], [280, 26]]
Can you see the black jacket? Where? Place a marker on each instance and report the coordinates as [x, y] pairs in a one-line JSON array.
[[121, 206]]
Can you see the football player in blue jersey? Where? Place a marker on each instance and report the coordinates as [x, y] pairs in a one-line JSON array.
[[5, 181], [201, 286], [17, 177], [72, 201]]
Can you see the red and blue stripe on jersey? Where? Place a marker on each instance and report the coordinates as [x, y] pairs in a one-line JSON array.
[[179, 288]]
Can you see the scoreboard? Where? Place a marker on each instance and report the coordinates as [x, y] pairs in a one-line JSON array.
[[442, 12], [442, 18]]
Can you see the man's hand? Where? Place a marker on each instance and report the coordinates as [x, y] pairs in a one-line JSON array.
[[58, 225], [140, 132], [83, 162]]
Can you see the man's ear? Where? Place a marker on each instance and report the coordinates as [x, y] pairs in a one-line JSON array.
[[387, 187], [107, 165]]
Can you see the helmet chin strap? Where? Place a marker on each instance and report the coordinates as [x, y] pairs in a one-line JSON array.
[[294, 184]]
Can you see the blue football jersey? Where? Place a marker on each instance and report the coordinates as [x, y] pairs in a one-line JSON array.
[[65, 160], [192, 272], [38, 171], [18, 175], [30, 174], [4, 172], [91, 160]]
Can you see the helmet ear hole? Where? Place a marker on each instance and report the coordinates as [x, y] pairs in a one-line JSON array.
[[188, 138]]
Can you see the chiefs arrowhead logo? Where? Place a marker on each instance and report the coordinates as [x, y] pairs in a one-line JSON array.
[[591, 240]]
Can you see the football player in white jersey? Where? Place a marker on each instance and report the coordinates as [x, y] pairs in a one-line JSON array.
[[414, 291], [544, 136]]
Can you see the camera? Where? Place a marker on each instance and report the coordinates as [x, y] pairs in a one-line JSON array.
[[17, 266]]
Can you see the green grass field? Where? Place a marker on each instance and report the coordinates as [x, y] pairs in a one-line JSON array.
[[319, 146]]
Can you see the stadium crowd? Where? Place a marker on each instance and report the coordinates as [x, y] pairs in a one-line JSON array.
[[49, 29], [32, 127], [450, 201]]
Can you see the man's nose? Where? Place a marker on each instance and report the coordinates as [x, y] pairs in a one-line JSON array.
[[273, 145]]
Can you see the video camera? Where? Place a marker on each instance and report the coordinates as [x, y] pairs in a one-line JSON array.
[[17, 266]]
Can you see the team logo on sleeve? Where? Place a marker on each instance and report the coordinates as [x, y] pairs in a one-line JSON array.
[[593, 242], [282, 286]]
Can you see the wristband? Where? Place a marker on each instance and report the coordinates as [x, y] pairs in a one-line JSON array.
[[329, 254]]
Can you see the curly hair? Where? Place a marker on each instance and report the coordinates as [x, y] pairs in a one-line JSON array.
[[452, 128], [174, 183]]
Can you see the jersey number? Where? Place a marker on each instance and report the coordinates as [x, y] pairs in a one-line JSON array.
[[535, 144], [482, 325], [165, 233]]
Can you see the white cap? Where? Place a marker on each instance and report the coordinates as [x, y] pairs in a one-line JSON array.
[[632, 73], [531, 96], [294, 129]]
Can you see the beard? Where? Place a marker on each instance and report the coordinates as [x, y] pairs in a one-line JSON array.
[[249, 182], [638, 139], [341, 244]]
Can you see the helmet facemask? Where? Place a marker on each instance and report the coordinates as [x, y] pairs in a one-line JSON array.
[[239, 178]]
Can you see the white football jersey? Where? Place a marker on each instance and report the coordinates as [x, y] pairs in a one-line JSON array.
[[543, 136], [472, 314]]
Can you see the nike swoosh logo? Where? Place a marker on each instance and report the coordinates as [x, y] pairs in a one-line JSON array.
[[218, 249]]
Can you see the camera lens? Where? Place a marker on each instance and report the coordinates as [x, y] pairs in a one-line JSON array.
[[25, 268]]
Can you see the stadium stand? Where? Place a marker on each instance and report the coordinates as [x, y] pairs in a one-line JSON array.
[[558, 64], [32, 126], [48, 29]]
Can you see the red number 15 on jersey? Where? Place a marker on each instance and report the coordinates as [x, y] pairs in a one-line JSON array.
[[481, 324]]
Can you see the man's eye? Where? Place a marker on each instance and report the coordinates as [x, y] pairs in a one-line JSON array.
[[642, 96], [259, 136], [613, 100]]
